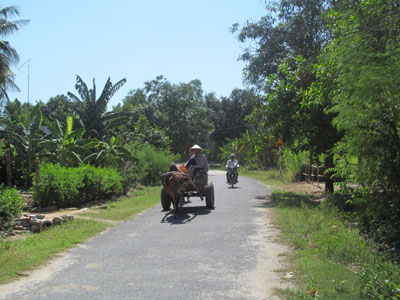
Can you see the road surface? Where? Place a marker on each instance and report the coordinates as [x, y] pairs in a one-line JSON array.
[[229, 252]]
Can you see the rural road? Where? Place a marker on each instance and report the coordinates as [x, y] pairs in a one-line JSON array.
[[229, 252]]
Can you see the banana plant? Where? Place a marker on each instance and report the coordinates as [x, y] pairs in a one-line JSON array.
[[24, 135], [110, 154], [67, 144], [93, 111]]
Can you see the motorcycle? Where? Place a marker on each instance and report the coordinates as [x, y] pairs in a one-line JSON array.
[[232, 176]]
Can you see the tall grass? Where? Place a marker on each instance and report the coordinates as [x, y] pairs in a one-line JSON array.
[[330, 258], [271, 176], [328, 254], [293, 163]]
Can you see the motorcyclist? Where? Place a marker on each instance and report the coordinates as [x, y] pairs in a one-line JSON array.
[[232, 162]]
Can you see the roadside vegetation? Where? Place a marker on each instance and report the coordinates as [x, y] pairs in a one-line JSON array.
[[331, 258]]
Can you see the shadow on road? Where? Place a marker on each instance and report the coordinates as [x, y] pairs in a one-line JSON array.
[[234, 187], [185, 215], [264, 201], [285, 200]]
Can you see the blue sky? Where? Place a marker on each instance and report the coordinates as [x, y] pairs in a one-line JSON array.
[[137, 40]]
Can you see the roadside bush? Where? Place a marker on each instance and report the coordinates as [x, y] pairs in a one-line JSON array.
[[150, 162], [11, 203], [99, 183], [65, 187], [381, 281], [57, 186], [293, 162]]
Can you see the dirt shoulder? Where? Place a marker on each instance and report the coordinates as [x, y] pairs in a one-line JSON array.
[[302, 187]]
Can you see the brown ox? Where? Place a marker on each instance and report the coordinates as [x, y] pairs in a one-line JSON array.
[[175, 184], [179, 168]]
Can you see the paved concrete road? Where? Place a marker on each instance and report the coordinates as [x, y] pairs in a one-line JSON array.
[[225, 253]]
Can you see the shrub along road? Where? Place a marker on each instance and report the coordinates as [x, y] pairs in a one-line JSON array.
[[229, 252]]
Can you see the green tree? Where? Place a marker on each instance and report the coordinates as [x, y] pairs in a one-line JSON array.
[[8, 55], [178, 110], [290, 28], [367, 102], [289, 43], [228, 115], [93, 112], [183, 114], [58, 107], [142, 124]]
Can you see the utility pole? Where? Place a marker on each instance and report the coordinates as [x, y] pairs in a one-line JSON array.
[[28, 65]]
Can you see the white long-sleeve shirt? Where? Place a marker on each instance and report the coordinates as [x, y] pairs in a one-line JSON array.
[[232, 163]]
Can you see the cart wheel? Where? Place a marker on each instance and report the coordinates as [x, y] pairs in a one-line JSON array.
[[210, 196], [165, 200]]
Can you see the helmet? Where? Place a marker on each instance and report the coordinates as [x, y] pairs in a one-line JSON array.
[[232, 155]]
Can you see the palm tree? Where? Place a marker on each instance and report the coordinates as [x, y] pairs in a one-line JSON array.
[[8, 55], [93, 112]]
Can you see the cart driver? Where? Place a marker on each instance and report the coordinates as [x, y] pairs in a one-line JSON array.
[[198, 161]]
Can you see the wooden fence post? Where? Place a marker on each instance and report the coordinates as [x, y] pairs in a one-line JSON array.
[[37, 172]]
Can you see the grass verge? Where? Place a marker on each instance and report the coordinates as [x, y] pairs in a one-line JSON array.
[[18, 256], [270, 177], [330, 258], [125, 208], [22, 255]]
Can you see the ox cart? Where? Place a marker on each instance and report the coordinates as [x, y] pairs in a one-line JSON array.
[[203, 189]]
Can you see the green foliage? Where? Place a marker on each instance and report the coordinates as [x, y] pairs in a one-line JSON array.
[[269, 177], [110, 154], [150, 162], [331, 256], [367, 108], [21, 128], [229, 118], [66, 145], [232, 146], [93, 112], [11, 203], [9, 55], [65, 187], [2, 149], [99, 183], [139, 129], [380, 280], [294, 162], [176, 113], [283, 63]]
